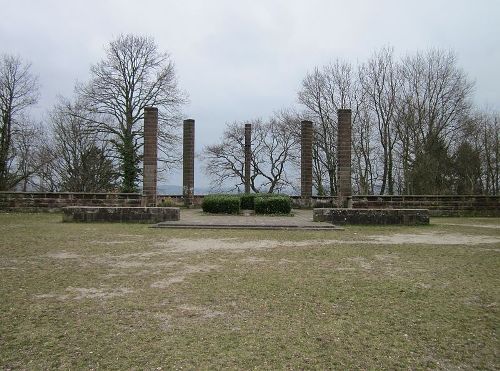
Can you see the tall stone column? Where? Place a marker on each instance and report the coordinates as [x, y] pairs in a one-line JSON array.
[[188, 163], [344, 157], [248, 155], [150, 160], [306, 139]]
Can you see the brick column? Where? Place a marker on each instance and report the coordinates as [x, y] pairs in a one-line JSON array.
[[344, 157], [188, 163], [248, 155], [149, 176], [306, 139]]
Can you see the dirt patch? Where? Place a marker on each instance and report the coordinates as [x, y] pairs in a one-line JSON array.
[[433, 239], [491, 226], [209, 244], [116, 242], [79, 293], [63, 255], [201, 312], [165, 321], [386, 257], [180, 276], [254, 260], [361, 262]]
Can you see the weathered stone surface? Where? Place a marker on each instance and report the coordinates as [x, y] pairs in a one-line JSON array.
[[248, 155], [444, 205], [188, 163], [150, 160], [306, 163], [344, 157], [55, 201], [372, 216], [120, 214]]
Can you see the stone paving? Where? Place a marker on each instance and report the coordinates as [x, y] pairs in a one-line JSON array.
[[196, 219]]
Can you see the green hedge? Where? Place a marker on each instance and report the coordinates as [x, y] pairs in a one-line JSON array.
[[262, 203], [221, 204], [273, 204], [248, 199]]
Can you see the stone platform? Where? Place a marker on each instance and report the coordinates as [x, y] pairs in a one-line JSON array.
[[196, 219], [120, 214], [372, 216]]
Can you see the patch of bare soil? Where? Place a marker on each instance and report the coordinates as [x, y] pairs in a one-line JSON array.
[[200, 312], [116, 242], [492, 226], [254, 260], [181, 275], [433, 239], [231, 244], [63, 255], [79, 293]]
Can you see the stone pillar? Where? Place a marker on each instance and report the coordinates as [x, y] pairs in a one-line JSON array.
[[188, 163], [149, 175], [248, 155], [306, 140], [344, 158]]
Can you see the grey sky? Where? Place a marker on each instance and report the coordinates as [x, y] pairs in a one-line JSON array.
[[245, 59]]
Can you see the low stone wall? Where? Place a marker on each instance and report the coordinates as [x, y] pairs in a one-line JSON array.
[[120, 214], [372, 216], [438, 205], [55, 201], [468, 205]]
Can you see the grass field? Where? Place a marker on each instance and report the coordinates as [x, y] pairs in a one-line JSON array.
[[122, 296]]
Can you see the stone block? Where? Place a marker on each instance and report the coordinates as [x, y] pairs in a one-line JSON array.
[[120, 214], [372, 216]]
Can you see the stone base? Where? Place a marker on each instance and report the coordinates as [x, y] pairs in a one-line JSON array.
[[120, 214], [372, 216]]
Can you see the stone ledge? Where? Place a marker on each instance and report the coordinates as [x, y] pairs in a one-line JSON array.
[[372, 216], [120, 214]]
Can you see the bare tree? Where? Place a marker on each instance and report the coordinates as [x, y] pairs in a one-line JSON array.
[[380, 82], [364, 164], [483, 135], [434, 105], [18, 91], [81, 156], [133, 75], [31, 153], [274, 147]]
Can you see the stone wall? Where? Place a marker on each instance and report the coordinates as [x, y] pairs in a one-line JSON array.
[[52, 201], [437, 205], [372, 216], [120, 214]]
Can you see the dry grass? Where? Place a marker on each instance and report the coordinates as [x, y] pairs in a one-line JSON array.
[[124, 296]]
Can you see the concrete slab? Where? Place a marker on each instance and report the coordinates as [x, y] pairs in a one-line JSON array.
[[196, 219]]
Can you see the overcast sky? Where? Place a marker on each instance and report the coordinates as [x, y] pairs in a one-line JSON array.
[[239, 59]]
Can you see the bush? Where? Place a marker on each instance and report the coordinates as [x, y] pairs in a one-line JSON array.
[[273, 204], [247, 201], [166, 202], [221, 204]]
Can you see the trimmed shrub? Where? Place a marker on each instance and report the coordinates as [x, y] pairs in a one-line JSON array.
[[273, 204], [221, 204], [247, 201]]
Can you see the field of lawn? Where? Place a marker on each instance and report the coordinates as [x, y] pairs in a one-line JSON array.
[[125, 296]]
